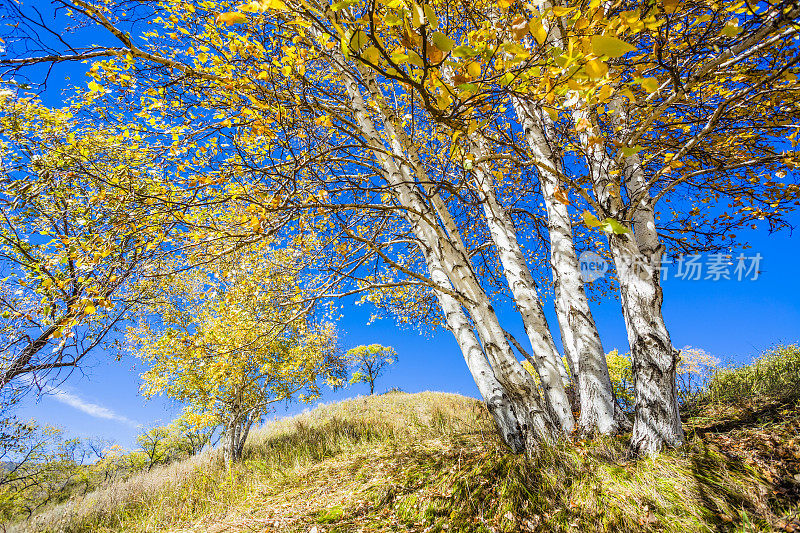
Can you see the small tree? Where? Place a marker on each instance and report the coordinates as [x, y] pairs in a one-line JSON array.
[[191, 439], [619, 369], [369, 363], [39, 467], [695, 367], [233, 343], [154, 445], [113, 462]]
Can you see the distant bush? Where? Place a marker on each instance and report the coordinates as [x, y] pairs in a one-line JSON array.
[[773, 375], [695, 368], [40, 466], [619, 369]]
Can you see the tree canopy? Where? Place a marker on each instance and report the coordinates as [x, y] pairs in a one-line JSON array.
[[443, 157]]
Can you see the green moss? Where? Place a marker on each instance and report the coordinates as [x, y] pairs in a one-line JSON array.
[[334, 514]]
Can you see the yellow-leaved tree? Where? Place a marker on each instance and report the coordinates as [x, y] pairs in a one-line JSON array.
[[237, 339], [369, 363]]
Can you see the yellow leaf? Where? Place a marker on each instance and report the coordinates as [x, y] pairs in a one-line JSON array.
[[538, 31], [232, 17], [670, 6], [442, 41], [629, 151], [519, 27], [95, 87], [604, 93], [277, 5], [90, 309], [474, 69], [731, 29], [561, 196], [604, 45], [649, 84], [590, 220], [371, 54], [596, 68], [430, 16], [417, 16]]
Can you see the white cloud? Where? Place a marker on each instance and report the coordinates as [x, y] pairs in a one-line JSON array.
[[91, 409]]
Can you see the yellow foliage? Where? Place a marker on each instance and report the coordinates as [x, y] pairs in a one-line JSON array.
[[236, 338]]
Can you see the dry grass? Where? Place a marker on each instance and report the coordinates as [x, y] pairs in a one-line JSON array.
[[277, 455], [431, 462]]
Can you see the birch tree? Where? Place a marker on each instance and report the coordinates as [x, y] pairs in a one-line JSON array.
[[565, 76]]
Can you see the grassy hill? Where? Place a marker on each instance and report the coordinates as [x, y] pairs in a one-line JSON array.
[[431, 462]]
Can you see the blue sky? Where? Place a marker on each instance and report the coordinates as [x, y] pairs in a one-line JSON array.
[[732, 320]]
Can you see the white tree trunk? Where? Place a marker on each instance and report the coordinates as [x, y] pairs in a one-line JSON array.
[[546, 359], [582, 346], [637, 259], [657, 420], [455, 267], [654, 360], [497, 401]]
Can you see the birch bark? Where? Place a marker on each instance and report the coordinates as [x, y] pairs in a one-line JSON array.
[[546, 359], [236, 431], [527, 300], [497, 401], [582, 345], [638, 259]]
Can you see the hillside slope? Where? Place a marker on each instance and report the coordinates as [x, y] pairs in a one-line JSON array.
[[431, 462]]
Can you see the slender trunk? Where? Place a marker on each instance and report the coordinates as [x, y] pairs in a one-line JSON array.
[[497, 401], [637, 259], [450, 265], [236, 431], [657, 420], [582, 345], [546, 359], [228, 442]]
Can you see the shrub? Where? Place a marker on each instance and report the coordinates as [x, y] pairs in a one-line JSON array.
[[773, 375], [695, 368]]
